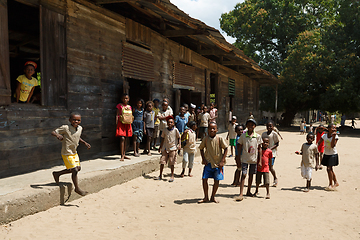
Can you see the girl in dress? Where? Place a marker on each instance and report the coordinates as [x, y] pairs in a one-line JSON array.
[[138, 126], [123, 123], [330, 158]]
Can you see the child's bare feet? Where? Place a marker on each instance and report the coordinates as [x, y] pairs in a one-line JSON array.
[[214, 200], [330, 188], [56, 177], [275, 183], [306, 190], [249, 194], [336, 184], [205, 200], [127, 157], [267, 196], [122, 159], [239, 198], [81, 192], [149, 154], [190, 175]]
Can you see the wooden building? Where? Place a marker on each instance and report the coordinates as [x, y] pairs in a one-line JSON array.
[[90, 52]]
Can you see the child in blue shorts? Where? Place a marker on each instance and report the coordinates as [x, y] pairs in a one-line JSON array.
[[214, 160]]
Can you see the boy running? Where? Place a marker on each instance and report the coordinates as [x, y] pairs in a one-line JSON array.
[[70, 137], [214, 160]]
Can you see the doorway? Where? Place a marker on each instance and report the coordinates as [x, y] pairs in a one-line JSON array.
[[24, 43], [139, 89]]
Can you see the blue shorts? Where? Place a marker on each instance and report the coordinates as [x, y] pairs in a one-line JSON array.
[[273, 161], [245, 166], [215, 173]]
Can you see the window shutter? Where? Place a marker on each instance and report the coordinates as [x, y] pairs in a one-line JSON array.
[[183, 76], [231, 87]]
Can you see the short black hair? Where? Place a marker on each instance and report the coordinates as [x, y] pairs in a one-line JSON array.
[[238, 126], [310, 134], [191, 124], [74, 114]]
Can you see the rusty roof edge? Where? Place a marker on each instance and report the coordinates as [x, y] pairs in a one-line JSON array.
[[220, 42]]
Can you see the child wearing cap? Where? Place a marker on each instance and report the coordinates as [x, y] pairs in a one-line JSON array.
[[26, 83], [232, 134], [250, 145], [170, 143]]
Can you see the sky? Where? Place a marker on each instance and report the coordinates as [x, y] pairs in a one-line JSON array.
[[207, 11]]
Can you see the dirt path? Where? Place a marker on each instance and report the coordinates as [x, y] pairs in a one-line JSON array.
[[147, 209]]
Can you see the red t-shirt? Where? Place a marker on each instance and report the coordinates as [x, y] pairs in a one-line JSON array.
[[321, 147], [265, 157]]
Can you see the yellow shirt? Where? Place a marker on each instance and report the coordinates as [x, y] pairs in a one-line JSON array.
[[156, 110], [214, 146], [26, 86]]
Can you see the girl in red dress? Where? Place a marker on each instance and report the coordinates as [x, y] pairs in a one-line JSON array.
[[123, 124]]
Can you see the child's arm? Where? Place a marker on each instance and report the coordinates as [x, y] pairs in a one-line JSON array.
[[161, 144], [259, 163], [58, 136], [86, 144], [179, 143], [275, 146], [333, 140], [184, 135], [117, 115], [18, 87], [320, 141], [144, 127], [260, 152], [222, 162], [30, 94], [227, 136], [317, 161], [204, 162], [239, 147]]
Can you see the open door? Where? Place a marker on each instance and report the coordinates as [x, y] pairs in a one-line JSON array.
[[5, 88], [53, 58]]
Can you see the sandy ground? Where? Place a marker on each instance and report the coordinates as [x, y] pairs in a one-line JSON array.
[[147, 209]]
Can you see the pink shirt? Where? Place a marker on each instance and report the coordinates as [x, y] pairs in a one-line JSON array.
[[120, 107], [213, 115]]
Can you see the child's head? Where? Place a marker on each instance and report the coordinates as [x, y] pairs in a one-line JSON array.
[[170, 121], [202, 106], [233, 120], [239, 129], [320, 128], [125, 98], [212, 106], [212, 129], [75, 119], [310, 138], [149, 105], [331, 128], [156, 102], [165, 106], [192, 108], [192, 125], [265, 143], [139, 103], [270, 126], [205, 109], [186, 107], [250, 124], [182, 111], [29, 69]]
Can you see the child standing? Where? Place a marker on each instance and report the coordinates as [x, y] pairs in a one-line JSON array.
[[149, 120], [124, 118], [181, 120], [331, 157], [319, 132], [157, 121], [250, 145], [204, 118], [239, 129], [273, 145], [309, 154], [232, 134], [26, 83], [70, 137], [190, 147], [214, 160], [302, 125], [263, 167], [170, 143], [138, 126], [213, 113]]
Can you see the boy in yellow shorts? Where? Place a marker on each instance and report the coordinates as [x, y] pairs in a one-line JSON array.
[[70, 137]]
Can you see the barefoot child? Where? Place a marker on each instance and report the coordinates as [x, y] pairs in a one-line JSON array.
[[26, 83], [319, 132], [190, 148], [138, 126], [309, 154], [239, 129], [170, 143], [331, 157], [232, 135], [273, 145], [124, 118], [263, 167], [149, 120], [250, 145], [70, 137], [157, 122], [214, 160]]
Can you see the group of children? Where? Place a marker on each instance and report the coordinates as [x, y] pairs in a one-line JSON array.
[[254, 153]]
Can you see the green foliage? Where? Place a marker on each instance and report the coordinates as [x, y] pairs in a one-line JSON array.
[[312, 46]]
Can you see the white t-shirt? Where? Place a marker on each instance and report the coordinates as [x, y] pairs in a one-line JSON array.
[[327, 141], [232, 133], [273, 139]]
